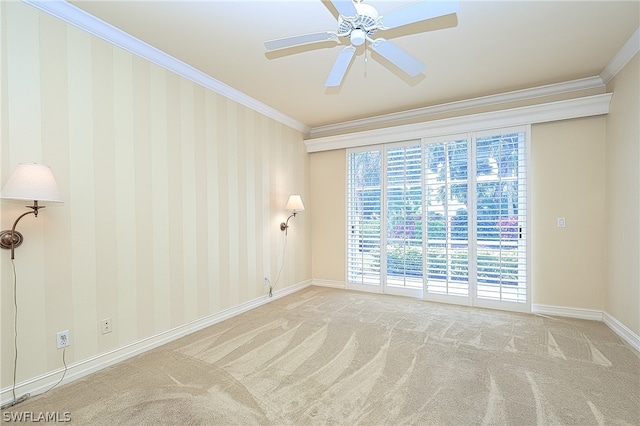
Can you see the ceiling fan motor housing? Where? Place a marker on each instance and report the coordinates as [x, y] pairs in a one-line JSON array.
[[358, 27]]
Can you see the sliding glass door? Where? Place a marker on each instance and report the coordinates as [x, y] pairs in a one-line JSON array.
[[447, 218], [441, 218], [500, 220], [403, 219], [364, 218]]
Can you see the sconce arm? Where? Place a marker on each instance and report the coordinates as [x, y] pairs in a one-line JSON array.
[[12, 239], [284, 226]]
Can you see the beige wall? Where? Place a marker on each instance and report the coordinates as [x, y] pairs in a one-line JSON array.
[[568, 180], [623, 197], [328, 174], [173, 196]]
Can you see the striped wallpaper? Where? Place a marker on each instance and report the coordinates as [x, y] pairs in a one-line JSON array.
[[173, 195]]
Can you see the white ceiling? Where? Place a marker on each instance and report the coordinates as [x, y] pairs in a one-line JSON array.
[[490, 47]]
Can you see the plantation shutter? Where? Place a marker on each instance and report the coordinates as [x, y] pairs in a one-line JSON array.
[[501, 217], [404, 215], [447, 237], [364, 212], [444, 218]]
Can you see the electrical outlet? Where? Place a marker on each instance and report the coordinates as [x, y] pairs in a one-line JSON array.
[[266, 281], [105, 325], [62, 339]]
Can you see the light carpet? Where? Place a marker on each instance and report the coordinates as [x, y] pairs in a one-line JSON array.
[[327, 356]]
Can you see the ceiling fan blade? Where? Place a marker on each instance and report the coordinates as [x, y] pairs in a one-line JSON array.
[[420, 11], [345, 7], [340, 67], [398, 57], [281, 43]]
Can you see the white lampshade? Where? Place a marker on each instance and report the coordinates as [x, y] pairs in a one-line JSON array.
[[31, 182], [295, 204]]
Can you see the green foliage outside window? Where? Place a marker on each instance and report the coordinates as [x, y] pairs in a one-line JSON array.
[[407, 260]]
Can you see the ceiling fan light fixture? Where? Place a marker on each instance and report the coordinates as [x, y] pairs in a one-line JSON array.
[[357, 37]]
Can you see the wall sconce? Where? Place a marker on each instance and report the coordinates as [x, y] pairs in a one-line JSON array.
[[294, 205], [28, 182]]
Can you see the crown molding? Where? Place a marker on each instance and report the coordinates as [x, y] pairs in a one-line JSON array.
[[552, 111], [89, 23], [624, 55], [484, 101]]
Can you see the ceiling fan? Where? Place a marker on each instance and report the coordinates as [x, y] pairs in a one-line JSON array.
[[357, 22]]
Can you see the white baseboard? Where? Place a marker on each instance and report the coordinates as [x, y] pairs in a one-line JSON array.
[[564, 311], [622, 331], [77, 370], [329, 283], [591, 314]]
